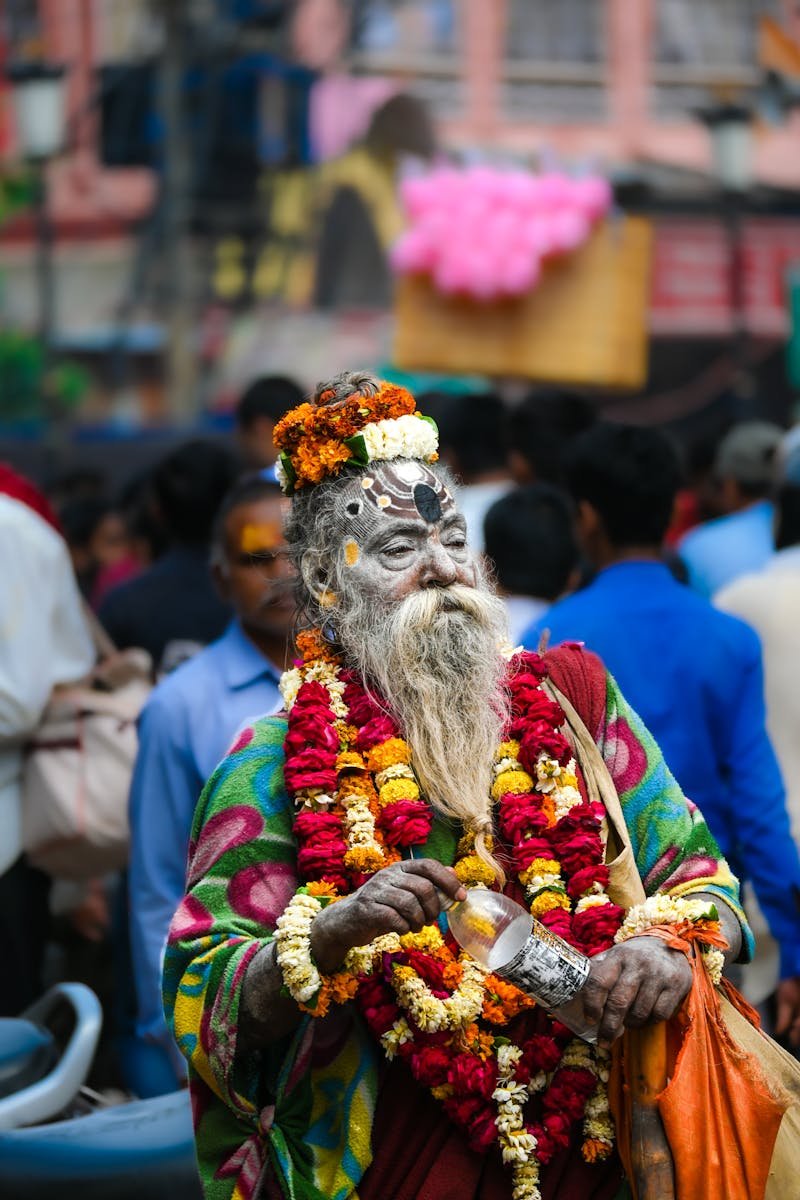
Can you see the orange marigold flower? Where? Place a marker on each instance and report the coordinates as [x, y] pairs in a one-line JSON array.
[[291, 427], [476, 1041], [318, 887], [349, 760], [346, 733], [504, 1001], [548, 810], [343, 986], [364, 858], [311, 644], [595, 1150], [356, 785], [452, 974], [388, 754]]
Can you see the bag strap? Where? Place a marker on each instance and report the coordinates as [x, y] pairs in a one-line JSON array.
[[101, 641], [625, 882]]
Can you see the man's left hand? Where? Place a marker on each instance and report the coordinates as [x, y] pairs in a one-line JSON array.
[[787, 1020], [639, 980]]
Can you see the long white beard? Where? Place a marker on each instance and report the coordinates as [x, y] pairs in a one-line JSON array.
[[434, 659]]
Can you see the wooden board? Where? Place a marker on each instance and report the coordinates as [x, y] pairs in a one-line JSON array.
[[584, 324]]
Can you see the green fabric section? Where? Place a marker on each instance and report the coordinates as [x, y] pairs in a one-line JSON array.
[[242, 872]]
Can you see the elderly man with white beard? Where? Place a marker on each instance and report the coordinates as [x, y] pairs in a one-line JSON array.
[[339, 1043]]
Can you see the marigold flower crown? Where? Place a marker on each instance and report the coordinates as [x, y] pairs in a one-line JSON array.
[[317, 440]]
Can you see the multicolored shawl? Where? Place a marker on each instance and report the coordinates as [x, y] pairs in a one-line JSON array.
[[302, 1109]]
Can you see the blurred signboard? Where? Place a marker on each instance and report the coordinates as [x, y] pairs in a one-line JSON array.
[[692, 276], [585, 323]]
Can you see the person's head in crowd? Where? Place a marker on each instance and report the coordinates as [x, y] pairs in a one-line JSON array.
[[623, 479], [189, 485], [529, 536], [261, 405], [97, 538], [472, 437], [78, 483], [401, 128], [250, 562], [137, 504], [540, 431], [787, 491], [744, 465]]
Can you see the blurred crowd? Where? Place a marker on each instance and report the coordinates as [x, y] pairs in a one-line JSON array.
[[687, 584]]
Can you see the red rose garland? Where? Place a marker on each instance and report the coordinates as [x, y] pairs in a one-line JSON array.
[[349, 771]]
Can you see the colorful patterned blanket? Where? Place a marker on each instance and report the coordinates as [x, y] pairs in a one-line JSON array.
[[300, 1112]]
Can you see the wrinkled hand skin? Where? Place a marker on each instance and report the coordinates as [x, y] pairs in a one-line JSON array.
[[638, 981], [396, 899], [401, 898]]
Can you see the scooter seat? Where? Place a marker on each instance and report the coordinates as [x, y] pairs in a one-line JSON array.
[[142, 1149], [27, 1053]]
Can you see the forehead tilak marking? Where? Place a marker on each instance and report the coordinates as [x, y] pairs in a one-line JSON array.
[[408, 488]]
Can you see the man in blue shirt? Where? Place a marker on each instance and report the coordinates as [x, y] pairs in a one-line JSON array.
[[741, 540], [693, 674], [186, 728]]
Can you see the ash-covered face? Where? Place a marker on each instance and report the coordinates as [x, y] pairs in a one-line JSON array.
[[404, 533]]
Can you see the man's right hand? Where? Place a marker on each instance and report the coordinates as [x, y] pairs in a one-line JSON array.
[[401, 898]]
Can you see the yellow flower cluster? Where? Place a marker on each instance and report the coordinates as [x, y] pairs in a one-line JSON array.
[[398, 789], [473, 871], [517, 782]]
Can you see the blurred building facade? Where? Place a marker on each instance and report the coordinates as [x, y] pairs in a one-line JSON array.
[[614, 83]]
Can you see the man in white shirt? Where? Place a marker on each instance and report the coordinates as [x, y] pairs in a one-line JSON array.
[[44, 641], [769, 600]]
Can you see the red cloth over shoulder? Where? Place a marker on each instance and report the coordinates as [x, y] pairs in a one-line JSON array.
[[581, 676], [18, 487]]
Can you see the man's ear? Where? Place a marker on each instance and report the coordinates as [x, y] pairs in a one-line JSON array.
[[588, 521], [221, 580], [316, 571]]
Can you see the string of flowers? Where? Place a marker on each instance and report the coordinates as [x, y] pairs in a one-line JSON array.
[[358, 805]]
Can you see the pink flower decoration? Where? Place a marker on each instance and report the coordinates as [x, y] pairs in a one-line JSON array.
[[405, 822], [483, 232]]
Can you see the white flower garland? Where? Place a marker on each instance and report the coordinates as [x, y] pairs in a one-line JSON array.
[[673, 910], [293, 947], [517, 1144], [431, 1013], [360, 825], [408, 436]]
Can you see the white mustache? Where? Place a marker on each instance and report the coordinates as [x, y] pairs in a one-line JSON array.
[[421, 609]]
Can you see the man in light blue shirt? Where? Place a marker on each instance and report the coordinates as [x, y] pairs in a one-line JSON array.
[[693, 674], [186, 728], [741, 540]]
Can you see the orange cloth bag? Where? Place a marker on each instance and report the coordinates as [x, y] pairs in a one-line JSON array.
[[720, 1110]]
